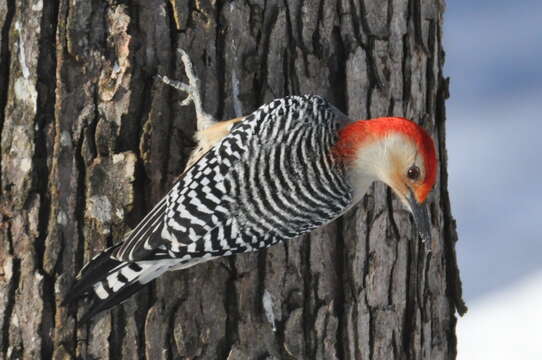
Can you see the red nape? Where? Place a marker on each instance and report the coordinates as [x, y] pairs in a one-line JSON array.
[[362, 132]]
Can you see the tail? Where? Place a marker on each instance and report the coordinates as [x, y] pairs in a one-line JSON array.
[[108, 281]]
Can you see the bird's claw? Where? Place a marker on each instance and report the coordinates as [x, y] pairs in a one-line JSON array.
[[192, 89]]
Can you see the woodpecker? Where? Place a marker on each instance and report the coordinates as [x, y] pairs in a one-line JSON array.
[[291, 166]]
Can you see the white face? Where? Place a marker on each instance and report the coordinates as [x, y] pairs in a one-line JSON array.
[[389, 159]]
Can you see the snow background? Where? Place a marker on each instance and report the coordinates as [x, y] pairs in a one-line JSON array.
[[494, 58]]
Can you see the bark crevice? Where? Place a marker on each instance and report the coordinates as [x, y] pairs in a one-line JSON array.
[[232, 313], [44, 147], [5, 60], [340, 297], [10, 305]]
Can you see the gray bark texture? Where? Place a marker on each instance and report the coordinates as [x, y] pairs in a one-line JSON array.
[[91, 139]]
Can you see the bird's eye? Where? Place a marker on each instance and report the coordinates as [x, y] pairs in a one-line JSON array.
[[413, 172]]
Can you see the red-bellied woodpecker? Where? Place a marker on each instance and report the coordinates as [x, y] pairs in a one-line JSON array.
[[291, 166]]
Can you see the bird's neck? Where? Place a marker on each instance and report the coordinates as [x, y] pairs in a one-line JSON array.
[[361, 149], [359, 182]]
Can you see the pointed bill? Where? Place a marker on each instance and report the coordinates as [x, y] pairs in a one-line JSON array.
[[421, 218]]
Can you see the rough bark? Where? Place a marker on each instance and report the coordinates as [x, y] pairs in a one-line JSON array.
[[90, 140]]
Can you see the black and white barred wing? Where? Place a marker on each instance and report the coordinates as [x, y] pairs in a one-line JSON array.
[[271, 179], [181, 225]]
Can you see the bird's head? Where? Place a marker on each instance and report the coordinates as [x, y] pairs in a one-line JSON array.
[[397, 152]]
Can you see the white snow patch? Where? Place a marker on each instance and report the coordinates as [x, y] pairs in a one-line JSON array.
[[268, 308], [25, 91], [25, 164], [65, 139], [237, 106], [15, 320], [118, 158], [116, 68], [504, 325], [100, 208], [38, 6], [8, 267], [119, 213], [22, 56], [61, 218]]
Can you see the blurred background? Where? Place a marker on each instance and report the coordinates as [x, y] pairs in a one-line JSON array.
[[494, 128]]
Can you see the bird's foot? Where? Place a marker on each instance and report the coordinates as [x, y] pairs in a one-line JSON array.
[[193, 91]]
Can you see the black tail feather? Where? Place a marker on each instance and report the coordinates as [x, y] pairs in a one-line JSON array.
[[96, 270], [98, 305], [95, 273]]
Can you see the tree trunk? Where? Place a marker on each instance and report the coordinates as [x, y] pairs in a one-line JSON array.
[[90, 140]]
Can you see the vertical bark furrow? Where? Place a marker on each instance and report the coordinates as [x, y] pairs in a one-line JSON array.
[[308, 304], [221, 33], [9, 288], [6, 19], [339, 301], [9, 265], [231, 306], [44, 148]]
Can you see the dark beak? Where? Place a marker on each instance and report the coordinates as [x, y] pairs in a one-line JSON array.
[[421, 218]]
